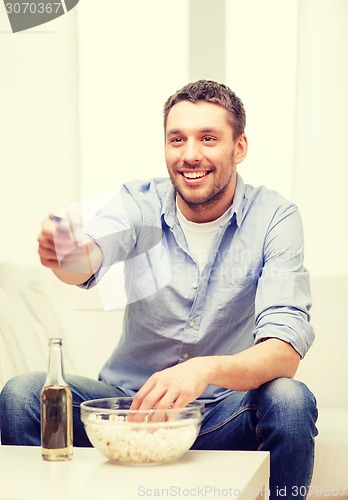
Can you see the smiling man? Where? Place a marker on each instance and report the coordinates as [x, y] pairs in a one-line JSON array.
[[201, 155], [230, 325]]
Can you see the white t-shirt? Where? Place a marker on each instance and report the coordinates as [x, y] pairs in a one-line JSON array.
[[200, 236]]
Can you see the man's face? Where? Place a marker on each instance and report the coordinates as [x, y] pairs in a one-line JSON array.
[[201, 158]]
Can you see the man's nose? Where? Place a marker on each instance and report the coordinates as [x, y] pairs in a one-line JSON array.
[[192, 152]]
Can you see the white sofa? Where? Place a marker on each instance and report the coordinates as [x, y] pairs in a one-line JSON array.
[[34, 305], [325, 370]]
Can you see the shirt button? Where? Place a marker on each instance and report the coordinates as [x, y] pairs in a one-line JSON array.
[[186, 355], [194, 285], [191, 323]]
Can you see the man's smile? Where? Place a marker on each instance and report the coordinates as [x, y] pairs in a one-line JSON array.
[[194, 174]]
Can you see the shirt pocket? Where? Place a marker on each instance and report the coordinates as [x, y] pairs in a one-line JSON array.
[[238, 296]]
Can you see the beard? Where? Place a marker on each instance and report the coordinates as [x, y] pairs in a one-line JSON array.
[[205, 200], [199, 199]]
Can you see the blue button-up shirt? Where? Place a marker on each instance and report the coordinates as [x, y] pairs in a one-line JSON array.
[[254, 286]]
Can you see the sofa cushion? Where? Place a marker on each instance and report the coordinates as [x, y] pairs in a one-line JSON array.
[[324, 369], [330, 476], [28, 318]]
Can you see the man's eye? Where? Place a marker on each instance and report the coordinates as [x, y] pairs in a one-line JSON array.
[[208, 139], [176, 139]]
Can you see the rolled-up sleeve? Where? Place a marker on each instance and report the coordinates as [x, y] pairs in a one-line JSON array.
[[283, 297]]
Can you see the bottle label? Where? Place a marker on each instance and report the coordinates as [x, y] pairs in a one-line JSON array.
[[56, 418]]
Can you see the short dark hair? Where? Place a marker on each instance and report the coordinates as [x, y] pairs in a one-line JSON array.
[[215, 93]]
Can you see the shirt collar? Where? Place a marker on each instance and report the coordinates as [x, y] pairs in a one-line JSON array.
[[169, 207]]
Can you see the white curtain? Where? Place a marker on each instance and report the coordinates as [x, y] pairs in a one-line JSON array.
[[290, 61], [321, 133]]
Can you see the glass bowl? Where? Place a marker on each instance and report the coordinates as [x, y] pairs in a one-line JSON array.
[[140, 436]]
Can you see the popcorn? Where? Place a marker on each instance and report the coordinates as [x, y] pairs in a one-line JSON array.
[[134, 443]]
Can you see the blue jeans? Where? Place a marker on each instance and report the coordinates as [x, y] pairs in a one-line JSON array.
[[278, 417]]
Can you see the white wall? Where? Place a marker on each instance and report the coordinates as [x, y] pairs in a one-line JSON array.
[[261, 54], [132, 56], [39, 157]]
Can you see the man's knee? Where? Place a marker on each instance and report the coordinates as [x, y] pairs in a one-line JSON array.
[[292, 401], [20, 410], [20, 390], [289, 392]]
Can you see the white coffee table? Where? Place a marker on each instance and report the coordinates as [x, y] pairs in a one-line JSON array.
[[202, 474]]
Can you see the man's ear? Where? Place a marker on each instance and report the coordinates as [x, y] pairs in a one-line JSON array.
[[240, 149]]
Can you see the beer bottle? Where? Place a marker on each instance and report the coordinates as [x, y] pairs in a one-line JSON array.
[[56, 408]]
